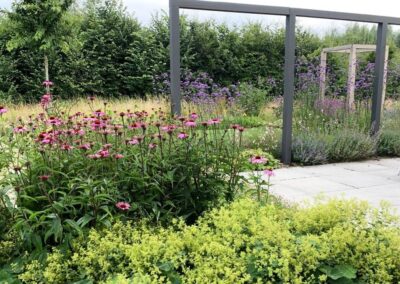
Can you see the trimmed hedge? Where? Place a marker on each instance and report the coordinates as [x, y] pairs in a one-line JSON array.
[[345, 241]]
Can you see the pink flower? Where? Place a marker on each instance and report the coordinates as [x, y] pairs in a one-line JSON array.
[[182, 135], [46, 138], [124, 206], [44, 177], [85, 147], [2, 110], [46, 100], [152, 145], [80, 132], [48, 83], [118, 156], [98, 113], [135, 125], [66, 147], [103, 153], [194, 116], [258, 160], [20, 129], [97, 124], [214, 121], [47, 141], [269, 173], [169, 128], [54, 121], [107, 146], [94, 156], [89, 118], [133, 141], [190, 123]]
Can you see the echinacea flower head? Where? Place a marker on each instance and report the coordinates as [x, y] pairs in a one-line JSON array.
[[46, 100], [80, 132], [2, 110], [85, 147], [182, 135], [124, 206], [152, 145], [194, 116], [133, 141], [99, 113], [44, 177], [103, 153], [48, 83], [269, 173], [107, 146], [66, 147], [190, 123], [214, 121], [54, 121], [20, 129], [135, 125], [118, 156], [258, 160], [94, 156], [169, 128]]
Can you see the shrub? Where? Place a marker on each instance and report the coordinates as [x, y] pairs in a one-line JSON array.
[[309, 150], [252, 99], [350, 145], [333, 242], [389, 143], [76, 171]]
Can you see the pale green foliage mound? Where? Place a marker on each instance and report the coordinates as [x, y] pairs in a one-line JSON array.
[[244, 242]]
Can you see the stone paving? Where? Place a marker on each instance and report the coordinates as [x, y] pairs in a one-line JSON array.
[[373, 181]]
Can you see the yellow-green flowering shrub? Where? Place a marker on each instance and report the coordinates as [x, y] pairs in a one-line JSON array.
[[243, 242]]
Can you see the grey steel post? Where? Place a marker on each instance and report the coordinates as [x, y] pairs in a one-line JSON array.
[[379, 77], [288, 88], [175, 57]]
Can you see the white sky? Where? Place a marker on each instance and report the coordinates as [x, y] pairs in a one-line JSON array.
[[144, 9]]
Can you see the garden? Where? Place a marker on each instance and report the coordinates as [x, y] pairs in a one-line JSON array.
[[101, 183]]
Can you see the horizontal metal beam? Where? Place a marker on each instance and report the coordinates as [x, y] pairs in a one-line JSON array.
[[232, 7], [282, 11], [341, 16]]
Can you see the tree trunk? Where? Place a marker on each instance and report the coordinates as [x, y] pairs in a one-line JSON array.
[[46, 73]]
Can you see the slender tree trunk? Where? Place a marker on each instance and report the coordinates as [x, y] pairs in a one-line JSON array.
[[46, 73]]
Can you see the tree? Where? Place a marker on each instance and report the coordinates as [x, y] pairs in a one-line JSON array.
[[37, 23]]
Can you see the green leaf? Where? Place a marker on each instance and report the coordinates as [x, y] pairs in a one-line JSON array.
[[339, 271], [83, 221], [74, 225], [56, 229], [166, 266]]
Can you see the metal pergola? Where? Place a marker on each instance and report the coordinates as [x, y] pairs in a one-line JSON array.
[[290, 44]]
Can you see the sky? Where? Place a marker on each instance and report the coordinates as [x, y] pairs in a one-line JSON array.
[[145, 9]]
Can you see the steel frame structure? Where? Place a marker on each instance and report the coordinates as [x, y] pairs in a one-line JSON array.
[[290, 45]]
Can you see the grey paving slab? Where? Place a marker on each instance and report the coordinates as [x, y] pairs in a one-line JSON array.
[[374, 181]]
